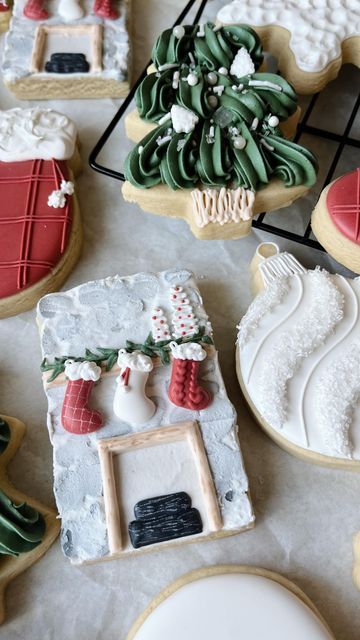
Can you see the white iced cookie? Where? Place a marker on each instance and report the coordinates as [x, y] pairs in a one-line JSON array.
[[310, 39], [223, 602], [298, 361]]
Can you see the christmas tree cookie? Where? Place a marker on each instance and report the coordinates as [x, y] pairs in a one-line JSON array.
[[69, 49], [40, 226], [298, 359], [145, 439], [27, 528], [209, 126]]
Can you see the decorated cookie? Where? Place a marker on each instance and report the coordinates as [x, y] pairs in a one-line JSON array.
[[5, 14], [356, 570], [336, 220], [69, 49], [40, 227], [311, 40], [27, 528], [209, 126], [298, 361], [145, 441], [223, 602]]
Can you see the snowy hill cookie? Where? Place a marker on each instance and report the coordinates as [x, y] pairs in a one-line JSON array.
[[223, 602], [27, 528], [336, 220], [310, 40], [215, 134], [298, 361], [40, 238], [69, 49], [145, 439]]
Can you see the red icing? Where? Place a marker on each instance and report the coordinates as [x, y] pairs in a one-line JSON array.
[[184, 389], [3, 6], [33, 236], [343, 204], [34, 10], [76, 416], [104, 9]]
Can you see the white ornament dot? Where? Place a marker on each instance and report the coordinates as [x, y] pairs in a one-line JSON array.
[[212, 77], [223, 71], [192, 79], [239, 142], [274, 121], [213, 101], [179, 31]]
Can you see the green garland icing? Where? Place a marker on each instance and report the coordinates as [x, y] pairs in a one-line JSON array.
[[243, 107], [22, 528], [108, 357], [4, 435]]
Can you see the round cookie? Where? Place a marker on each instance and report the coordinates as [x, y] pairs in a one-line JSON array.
[[298, 361], [41, 234], [223, 602], [310, 40], [336, 220]]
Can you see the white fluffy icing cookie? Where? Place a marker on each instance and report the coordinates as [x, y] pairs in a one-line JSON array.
[[67, 49], [298, 361], [223, 602], [336, 220], [310, 38]]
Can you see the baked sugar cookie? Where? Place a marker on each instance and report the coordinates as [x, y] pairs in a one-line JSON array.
[[336, 220], [5, 15], [356, 569], [27, 528], [213, 132], [223, 602], [310, 40], [40, 239], [146, 452], [69, 49], [298, 361]]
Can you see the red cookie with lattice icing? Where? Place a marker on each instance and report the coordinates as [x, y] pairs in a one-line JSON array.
[[40, 232], [336, 220]]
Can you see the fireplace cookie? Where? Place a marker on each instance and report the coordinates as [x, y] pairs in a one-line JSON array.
[[27, 528], [336, 220], [69, 49], [310, 40], [223, 602], [209, 126], [146, 452], [40, 227], [298, 360]]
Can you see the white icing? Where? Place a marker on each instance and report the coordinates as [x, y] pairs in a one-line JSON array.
[[160, 328], [56, 199], [230, 607], [183, 120], [67, 187], [219, 206], [282, 264], [36, 133], [136, 361], [306, 386], [296, 343], [82, 370], [70, 10], [242, 65], [188, 351], [317, 29], [183, 318], [337, 394]]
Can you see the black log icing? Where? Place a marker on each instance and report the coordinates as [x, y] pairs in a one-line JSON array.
[[67, 63], [164, 518], [171, 503]]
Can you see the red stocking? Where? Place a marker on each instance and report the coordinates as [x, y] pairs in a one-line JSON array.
[[104, 9], [3, 6], [34, 10], [76, 416], [184, 389]]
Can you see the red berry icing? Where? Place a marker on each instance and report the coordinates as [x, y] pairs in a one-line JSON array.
[[33, 236], [343, 204]]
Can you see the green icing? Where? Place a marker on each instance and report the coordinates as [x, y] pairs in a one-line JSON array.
[[21, 527], [242, 107], [4, 435]]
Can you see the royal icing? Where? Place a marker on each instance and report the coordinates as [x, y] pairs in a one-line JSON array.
[[110, 322], [343, 204], [317, 30], [296, 341], [219, 606], [36, 134], [222, 206]]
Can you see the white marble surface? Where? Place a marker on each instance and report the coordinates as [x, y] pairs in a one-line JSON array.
[[306, 515]]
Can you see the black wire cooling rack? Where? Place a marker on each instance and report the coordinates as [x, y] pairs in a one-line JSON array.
[[341, 140]]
